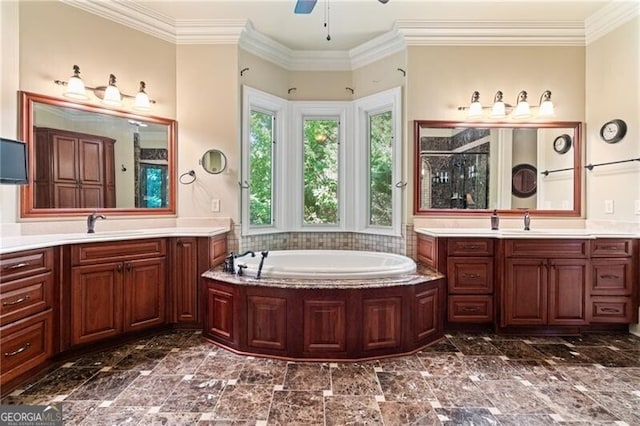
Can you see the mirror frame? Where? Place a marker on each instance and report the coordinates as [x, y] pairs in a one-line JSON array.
[[577, 167], [27, 209], [209, 152]]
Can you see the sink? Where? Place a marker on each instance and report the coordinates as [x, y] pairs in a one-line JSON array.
[[549, 233]]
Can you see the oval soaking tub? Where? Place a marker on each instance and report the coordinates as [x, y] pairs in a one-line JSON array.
[[329, 264], [324, 305]]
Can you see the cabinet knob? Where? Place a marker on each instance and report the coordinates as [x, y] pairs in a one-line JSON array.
[[128, 266], [119, 267]]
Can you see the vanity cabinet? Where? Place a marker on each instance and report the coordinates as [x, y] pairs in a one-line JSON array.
[[613, 275], [117, 287], [73, 170], [545, 282], [27, 290], [470, 280]]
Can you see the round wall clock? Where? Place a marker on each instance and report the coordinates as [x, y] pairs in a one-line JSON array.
[[562, 144], [613, 131]]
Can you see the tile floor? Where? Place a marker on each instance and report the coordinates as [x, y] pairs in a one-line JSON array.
[[176, 378]]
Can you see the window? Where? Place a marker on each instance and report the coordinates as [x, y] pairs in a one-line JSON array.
[[153, 186], [380, 169], [261, 168], [262, 133], [321, 171], [329, 165]]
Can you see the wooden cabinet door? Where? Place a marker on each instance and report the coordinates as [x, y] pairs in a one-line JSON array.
[[525, 292], [96, 302], [65, 168], [144, 293], [185, 280], [567, 291]]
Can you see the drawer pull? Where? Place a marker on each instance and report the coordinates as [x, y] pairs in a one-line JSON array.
[[610, 310], [470, 246], [609, 277], [469, 309], [609, 248], [17, 351], [17, 266], [15, 302], [471, 275]]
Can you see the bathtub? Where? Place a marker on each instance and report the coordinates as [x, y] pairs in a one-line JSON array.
[[329, 264]]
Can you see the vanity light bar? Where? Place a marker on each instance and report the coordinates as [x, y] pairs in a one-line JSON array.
[[110, 94], [521, 110]]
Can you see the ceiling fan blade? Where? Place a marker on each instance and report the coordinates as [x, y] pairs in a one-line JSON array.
[[305, 6]]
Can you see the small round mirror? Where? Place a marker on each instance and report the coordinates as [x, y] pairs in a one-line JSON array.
[[214, 161]]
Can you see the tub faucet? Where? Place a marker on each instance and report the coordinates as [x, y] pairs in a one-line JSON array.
[[91, 221], [245, 253], [228, 263], [264, 254], [527, 221]]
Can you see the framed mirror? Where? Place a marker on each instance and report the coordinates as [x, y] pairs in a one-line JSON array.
[[470, 168], [214, 161], [84, 158]]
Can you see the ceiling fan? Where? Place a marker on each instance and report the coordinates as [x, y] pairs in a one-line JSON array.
[[306, 6]]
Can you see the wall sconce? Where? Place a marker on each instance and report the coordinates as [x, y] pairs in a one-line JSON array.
[[109, 94], [499, 108]]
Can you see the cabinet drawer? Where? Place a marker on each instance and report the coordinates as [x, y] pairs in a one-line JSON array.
[[24, 297], [25, 263], [613, 310], [474, 309], [610, 247], [470, 247], [547, 248], [611, 277], [470, 275], [25, 344], [89, 254]]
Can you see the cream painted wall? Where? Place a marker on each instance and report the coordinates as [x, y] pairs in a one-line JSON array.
[[54, 37], [321, 86], [263, 75], [9, 79], [441, 78], [613, 91], [380, 75], [208, 118]]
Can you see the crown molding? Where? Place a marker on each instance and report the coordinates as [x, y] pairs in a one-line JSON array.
[[491, 33], [405, 33], [609, 17], [209, 31], [132, 15]]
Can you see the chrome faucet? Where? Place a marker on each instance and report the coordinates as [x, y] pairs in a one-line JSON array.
[[527, 221], [91, 221], [264, 254]]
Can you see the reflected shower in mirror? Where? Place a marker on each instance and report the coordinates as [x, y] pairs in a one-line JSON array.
[[85, 158], [467, 167]]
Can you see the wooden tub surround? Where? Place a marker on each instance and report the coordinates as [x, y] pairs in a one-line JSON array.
[[307, 319]]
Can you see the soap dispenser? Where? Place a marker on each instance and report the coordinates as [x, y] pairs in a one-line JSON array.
[[495, 220]]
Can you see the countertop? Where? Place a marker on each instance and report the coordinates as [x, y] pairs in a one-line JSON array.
[[28, 242], [520, 233], [422, 275]]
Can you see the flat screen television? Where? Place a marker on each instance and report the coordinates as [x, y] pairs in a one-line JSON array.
[[13, 162]]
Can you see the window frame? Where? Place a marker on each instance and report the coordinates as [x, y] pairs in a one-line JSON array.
[[288, 161]]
